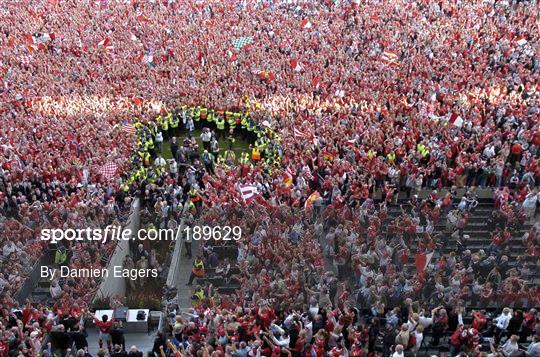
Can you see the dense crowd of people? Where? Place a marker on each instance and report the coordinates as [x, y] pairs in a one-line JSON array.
[[341, 101]]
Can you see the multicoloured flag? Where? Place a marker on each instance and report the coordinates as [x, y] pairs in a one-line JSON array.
[[521, 40], [287, 178], [312, 198], [147, 58]]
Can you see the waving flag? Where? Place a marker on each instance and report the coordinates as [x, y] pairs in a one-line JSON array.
[[147, 58], [312, 198], [299, 134], [241, 42], [390, 57], [108, 170], [421, 261], [129, 128], [287, 178], [138, 101], [141, 17], [521, 40], [296, 65], [106, 43], [248, 192], [231, 56], [306, 25], [265, 75]]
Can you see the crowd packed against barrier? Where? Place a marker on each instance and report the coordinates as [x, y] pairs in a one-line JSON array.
[[343, 98]]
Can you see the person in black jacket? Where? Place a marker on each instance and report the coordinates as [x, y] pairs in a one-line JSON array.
[[159, 341], [60, 340], [117, 335], [514, 325], [134, 352], [78, 337], [118, 351], [389, 339]]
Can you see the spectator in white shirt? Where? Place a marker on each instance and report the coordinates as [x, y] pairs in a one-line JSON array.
[[159, 141], [398, 352], [419, 335], [502, 323], [534, 348], [160, 162], [510, 346]]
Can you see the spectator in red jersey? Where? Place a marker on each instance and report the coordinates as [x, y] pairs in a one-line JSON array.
[[104, 325]]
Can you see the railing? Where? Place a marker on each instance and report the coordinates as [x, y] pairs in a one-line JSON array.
[[116, 286], [32, 280]]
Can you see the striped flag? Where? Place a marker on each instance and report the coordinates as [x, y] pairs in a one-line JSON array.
[[129, 128], [299, 134], [108, 170], [248, 191], [390, 57]]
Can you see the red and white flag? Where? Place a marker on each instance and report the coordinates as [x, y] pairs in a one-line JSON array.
[[316, 82], [521, 40], [296, 65], [421, 261], [138, 101], [106, 43], [248, 192], [129, 128], [231, 56], [306, 24], [389, 57], [108, 171], [299, 134]]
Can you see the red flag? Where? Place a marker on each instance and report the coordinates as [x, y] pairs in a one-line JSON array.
[[316, 82], [138, 101], [296, 65], [421, 261]]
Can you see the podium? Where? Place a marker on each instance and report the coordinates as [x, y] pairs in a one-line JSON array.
[[134, 325], [130, 322]]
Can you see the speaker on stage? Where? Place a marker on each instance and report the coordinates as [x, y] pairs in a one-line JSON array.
[[120, 313]]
